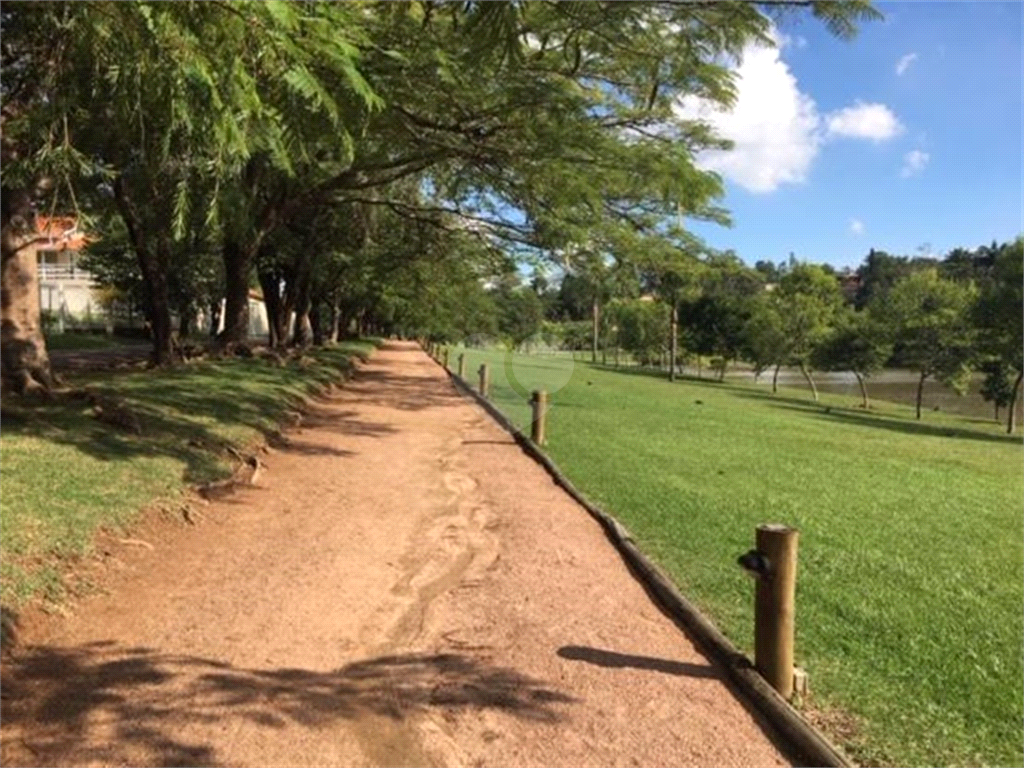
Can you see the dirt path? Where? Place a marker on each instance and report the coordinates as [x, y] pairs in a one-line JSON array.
[[404, 587]]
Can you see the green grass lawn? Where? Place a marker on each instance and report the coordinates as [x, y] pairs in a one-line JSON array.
[[65, 475], [911, 562], [79, 342]]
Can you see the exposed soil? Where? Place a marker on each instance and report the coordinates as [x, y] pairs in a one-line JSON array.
[[403, 587]]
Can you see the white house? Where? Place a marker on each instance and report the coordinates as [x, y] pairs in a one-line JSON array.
[[65, 289]]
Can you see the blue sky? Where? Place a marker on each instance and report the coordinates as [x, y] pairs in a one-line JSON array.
[[907, 138]]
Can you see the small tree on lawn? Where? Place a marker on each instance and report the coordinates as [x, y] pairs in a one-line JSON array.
[[764, 338], [929, 317], [998, 385], [809, 300], [999, 315], [855, 344]]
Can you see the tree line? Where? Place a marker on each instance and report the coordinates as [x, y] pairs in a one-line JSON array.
[[945, 319]]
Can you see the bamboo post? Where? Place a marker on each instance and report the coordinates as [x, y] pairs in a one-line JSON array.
[[462, 366], [540, 409], [483, 380], [775, 606]]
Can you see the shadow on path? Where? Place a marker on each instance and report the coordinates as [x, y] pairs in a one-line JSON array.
[[151, 704], [614, 660], [403, 391]]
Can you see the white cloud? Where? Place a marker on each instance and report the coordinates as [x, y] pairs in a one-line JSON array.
[[857, 226], [864, 121], [904, 63], [783, 41], [775, 127], [914, 162]]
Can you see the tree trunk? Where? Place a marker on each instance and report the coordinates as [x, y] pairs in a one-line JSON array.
[[186, 319], [810, 381], [863, 389], [997, 411], [345, 322], [23, 357], [333, 334], [699, 372], [300, 331], [316, 325], [277, 329], [303, 306], [154, 272], [673, 341], [237, 266], [920, 392], [1011, 419], [775, 378], [214, 317], [721, 371], [596, 314], [153, 265]]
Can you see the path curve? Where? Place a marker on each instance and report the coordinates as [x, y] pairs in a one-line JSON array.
[[403, 587]]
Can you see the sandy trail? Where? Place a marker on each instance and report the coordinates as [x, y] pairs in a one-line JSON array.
[[404, 587]]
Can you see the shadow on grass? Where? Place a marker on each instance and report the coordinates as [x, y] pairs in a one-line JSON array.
[[848, 416], [99, 703], [656, 373], [183, 412], [835, 413]]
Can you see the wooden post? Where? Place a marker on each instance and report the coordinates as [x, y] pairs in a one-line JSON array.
[[774, 607], [483, 380], [540, 409], [462, 366]]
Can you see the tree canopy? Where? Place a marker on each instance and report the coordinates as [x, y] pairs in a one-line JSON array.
[[262, 131]]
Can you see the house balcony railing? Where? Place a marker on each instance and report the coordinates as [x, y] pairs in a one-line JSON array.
[[63, 272]]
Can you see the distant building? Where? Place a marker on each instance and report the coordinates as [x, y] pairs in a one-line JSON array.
[[849, 283], [259, 325], [65, 288]]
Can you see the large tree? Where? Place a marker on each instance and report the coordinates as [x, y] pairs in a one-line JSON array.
[[764, 337], [929, 317], [716, 318], [857, 344], [809, 300], [999, 315]]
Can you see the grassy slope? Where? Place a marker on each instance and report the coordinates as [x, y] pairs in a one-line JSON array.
[[911, 560], [64, 474]]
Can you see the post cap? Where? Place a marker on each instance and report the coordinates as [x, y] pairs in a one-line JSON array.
[[776, 528]]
